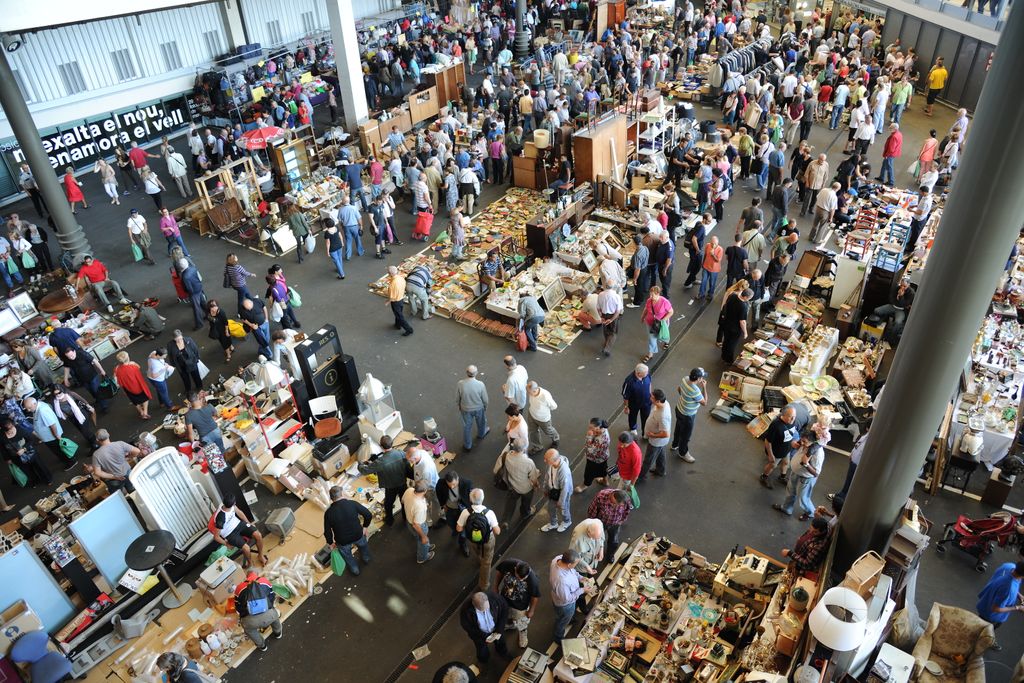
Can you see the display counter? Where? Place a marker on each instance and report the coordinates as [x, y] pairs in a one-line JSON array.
[[668, 614]]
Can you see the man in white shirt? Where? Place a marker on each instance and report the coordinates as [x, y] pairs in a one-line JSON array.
[[481, 533], [424, 469], [538, 416], [658, 432], [789, 86], [609, 305], [612, 274], [824, 210], [514, 388], [414, 504], [179, 171]]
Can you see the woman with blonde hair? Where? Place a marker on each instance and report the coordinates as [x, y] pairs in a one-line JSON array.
[[129, 377], [735, 287], [73, 191], [108, 176]]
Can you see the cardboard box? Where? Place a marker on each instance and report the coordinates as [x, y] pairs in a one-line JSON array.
[[272, 484], [15, 621], [217, 582]]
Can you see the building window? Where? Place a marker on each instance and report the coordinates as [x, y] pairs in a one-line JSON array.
[[26, 94], [123, 66], [71, 74], [212, 39], [309, 23], [172, 58], [274, 32]]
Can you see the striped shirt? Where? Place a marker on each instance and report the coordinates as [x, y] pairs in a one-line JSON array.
[[690, 398], [419, 277]]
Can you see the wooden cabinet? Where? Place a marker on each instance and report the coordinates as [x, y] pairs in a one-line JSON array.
[[423, 105], [447, 82], [601, 150]]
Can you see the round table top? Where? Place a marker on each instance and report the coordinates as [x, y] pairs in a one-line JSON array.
[[149, 550], [59, 302]]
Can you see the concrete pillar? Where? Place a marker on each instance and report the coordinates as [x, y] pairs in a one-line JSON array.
[[346, 57], [958, 283], [522, 41], [69, 233], [234, 24]]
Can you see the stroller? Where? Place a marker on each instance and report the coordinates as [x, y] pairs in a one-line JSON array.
[[978, 537]]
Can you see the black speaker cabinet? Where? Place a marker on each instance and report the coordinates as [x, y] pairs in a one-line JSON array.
[[327, 371]]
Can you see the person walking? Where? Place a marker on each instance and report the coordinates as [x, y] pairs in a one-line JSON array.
[[219, 328], [157, 372], [334, 243], [48, 430], [480, 528], [254, 602], [636, 396], [139, 237], [178, 169], [183, 354], [235, 275], [346, 523], [711, 266], [538, 416], [299, 226], [391, 470], [108, 177], [517, 583], [558, 487], [279, 294], [484, 617], [253, 316], [816, 178], [69, 405], [171, 232], [611, 507], [514, 388], [153, 186], [73, 190], [515, 468], [628, 461], [471, 399], [692, 392], [86, 371], [414, 504], [27, 182], [656, 316], [641, 275], [734, 323], [892, 150], [396, 300], [805, 470], [936, 80], [824, 212], [567, 591], [128, 376], [658, 432], [452, 493], [1000, 597], [192, 283], [595, 449], [737, 261]]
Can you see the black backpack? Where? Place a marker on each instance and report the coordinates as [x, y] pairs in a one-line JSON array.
[[258, 598], [478, 529]]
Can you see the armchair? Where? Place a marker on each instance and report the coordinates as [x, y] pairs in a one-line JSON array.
[[955, 640]]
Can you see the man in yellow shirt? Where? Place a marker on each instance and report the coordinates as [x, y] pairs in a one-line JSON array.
[[937, 76], [396, 299]]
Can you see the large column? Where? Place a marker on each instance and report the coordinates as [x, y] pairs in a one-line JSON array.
[[69, 232], [234, 24], [979, 225], [346, 57], [522, 42]]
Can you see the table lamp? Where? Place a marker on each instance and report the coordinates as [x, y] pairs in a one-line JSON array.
[[839, 619]]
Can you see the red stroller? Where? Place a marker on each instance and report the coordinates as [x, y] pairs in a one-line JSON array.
[[978, 537]]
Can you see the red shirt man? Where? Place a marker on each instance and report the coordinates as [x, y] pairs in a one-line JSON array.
[[630, 459], [893, 145], [92, 270], [139, 156]]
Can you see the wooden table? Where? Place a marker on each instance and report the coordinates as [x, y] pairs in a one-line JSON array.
[[60, 302]]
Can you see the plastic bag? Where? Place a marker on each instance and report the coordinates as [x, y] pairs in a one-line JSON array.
[[337, 562], [136, 252], [663, 334], [28, 261], [276, 312], [294, 298], [19, 477], [915, 168], [235, 329], [68, 448], [634, 497], [521, 341], [310, 244]]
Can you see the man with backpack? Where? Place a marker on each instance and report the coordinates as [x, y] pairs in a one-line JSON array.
[[254, 602], [480, 526]]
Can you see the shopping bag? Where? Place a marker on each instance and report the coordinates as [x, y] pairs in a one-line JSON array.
[[695, 185], [276, 312], [634, 497], [424, 220], [203, 370], [136, 252], [236, 329], [20, 478], [294, 298], [12, 266], [915, 168], [310, 244], [663, 334], [337, 562], [521, 341], [108, 389], [68, 447], [28, 261]]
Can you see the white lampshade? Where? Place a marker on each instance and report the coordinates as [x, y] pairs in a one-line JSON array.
[[270, 375], [372, 389], [839, 619]]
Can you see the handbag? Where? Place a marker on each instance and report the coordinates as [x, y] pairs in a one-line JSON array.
[[68, 448], [18, 475], [554, 494], [108, 389], [500, 477], [294, 298], [756, 166], [27, 260], [136, 252]]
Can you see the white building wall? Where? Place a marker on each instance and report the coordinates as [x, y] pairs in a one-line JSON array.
[[259, 14]]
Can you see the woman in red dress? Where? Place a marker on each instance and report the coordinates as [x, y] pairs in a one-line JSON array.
[[73, 190], [129, 377]]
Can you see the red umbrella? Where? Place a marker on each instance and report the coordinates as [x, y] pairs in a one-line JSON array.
[[257, 138]]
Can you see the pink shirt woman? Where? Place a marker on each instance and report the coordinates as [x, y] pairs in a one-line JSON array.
[[657, 309], [927, 154]]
